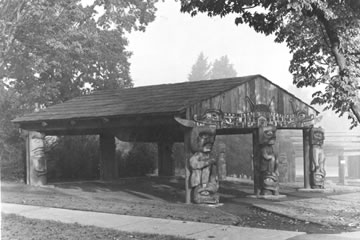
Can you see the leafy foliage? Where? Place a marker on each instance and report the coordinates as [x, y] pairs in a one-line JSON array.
[[54, 50], [222, 68], [11, 143], [201, 69], [204, 70], [323, 36], [139, 161], [72, 157]]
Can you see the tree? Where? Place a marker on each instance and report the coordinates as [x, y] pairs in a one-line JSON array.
[[200, 70], [222, 68], [322, 35], [53, 50]]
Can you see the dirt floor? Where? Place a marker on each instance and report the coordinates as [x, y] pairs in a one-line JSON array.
[[164, 198]]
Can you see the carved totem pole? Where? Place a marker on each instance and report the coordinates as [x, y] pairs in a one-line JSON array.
[[36, 162], [268, 164], [317, 158], [203, 178], [204, 181]]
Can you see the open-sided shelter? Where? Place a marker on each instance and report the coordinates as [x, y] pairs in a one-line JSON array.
[[148, 114]]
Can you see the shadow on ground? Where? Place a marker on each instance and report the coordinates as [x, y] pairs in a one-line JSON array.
[[164, 198]]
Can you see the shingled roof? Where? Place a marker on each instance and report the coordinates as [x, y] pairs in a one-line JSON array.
[[156, 99]]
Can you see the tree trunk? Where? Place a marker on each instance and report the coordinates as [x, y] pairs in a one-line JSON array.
[[332, 34]]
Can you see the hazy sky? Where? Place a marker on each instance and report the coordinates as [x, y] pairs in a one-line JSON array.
[[166, 51], [171, 44]]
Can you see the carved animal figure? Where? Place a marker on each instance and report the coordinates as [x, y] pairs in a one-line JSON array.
[[269, 174], [204, 175], [261, 112], [317, 158], [301, 116], [37, 162]]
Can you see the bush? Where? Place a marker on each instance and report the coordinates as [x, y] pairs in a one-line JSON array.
[[72, 157], [12, 145], [140, 160]]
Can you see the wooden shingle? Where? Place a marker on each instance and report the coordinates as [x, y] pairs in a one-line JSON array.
[[156, 99], [164, 99]]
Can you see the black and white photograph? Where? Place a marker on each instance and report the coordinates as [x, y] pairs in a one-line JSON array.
[[180, 119]]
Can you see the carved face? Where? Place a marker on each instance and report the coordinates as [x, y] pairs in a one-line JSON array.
[[267, 135], [317, 136], [300, 115], [270, 181], [262, 121], [203, 138], [37, 152], [211, 116], [319, 178], [261, 111]]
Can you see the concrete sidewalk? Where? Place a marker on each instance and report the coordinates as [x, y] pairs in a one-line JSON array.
[[186, 229]]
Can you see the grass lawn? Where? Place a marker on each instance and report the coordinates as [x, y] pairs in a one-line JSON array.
[[163, 198], [17, 227]]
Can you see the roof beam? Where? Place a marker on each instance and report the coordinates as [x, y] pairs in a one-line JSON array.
[[98, 124]]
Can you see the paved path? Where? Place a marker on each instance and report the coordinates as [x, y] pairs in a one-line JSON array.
[[161, 226]]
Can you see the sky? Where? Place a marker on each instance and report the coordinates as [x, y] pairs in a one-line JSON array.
[[171, 44], [166, 51]]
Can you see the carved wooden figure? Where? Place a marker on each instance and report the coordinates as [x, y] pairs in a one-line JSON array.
[[268, 165], [260, 113], [301, 117], [317, 158], [204, 181], [36, 162], [203, 178]]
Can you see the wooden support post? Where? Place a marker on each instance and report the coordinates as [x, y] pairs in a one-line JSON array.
[[166, 164], [342, 165], [306, 152], [36, 168], [108, 164], [222, 161], [256, 160], [187, 150]]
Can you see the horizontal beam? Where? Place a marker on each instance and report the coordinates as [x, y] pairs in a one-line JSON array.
[[97, 125], [139, 134]]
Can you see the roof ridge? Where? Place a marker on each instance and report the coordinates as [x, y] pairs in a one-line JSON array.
[[177, 83]]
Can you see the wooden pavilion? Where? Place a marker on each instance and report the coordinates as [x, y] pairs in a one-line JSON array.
[[148, 114]]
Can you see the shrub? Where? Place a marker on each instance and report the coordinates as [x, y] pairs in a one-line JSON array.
[[72, 157], [138, 161]]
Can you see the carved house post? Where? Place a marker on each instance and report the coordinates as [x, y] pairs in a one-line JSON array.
[[36, 168], [256, 161], [268, 162], [317, 158]]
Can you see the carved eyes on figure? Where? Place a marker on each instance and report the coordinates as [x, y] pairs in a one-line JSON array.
[[301, 115], [212, 116], [318, 135], [205, 136], [269, 133]]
